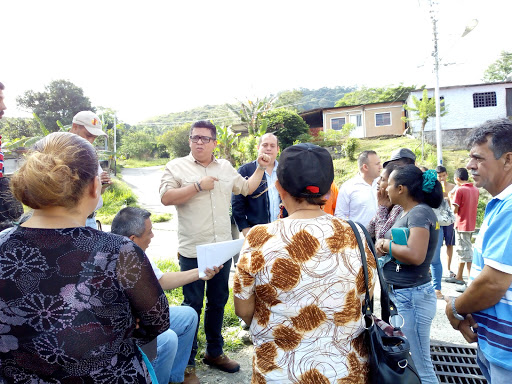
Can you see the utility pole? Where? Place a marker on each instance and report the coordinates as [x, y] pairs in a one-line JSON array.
[[439, 146]]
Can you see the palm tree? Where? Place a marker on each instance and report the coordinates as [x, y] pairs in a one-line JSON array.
[[425, 108]]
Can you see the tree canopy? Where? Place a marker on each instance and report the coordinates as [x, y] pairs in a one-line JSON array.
[[61, 100], [375, 95], [500, 69], [286, 125]]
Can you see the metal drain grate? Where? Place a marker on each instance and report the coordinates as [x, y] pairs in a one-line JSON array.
[[455, 363]]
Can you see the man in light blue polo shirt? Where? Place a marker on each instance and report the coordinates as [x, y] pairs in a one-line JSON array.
[[483, 312]]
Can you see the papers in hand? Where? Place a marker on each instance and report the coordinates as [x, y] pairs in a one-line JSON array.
[[216, 254]]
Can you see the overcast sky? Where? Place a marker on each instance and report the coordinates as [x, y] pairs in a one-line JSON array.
[[146, 58]]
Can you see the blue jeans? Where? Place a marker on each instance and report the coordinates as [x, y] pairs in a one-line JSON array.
[[174, 345], [217, 294], [417, 305], [492, 372], [436, 266]]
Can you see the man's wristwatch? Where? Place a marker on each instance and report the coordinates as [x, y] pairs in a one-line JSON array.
[[455, 313], [262, 167]]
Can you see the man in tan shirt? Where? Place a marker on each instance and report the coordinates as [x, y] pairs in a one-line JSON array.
[[200, 187]]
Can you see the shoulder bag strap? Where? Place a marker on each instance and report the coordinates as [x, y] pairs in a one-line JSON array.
[[367, 310], [383, 284]]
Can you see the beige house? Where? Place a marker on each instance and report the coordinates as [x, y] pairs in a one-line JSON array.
[[370, 120]]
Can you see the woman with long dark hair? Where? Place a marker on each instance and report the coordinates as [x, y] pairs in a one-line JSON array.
[[411, 243]]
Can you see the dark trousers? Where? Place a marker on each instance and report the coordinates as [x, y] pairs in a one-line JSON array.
[[217, 294]]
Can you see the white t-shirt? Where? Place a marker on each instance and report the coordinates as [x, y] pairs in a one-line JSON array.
[[158, 272]]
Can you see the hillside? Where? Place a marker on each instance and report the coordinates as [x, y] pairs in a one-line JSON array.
[[302, 99]]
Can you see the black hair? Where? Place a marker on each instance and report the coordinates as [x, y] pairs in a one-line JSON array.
[[461, 173], [498, 134], [205, 124], [411, 177], [390, 167], [440, 169]]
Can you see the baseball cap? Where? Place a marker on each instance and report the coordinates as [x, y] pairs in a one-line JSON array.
[[305, 170], [400, 153], [90, 121]]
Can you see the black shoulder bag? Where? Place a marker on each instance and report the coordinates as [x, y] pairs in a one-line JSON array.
[[389, 358]]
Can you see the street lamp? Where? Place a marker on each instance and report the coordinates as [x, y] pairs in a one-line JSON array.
[[472, 25]]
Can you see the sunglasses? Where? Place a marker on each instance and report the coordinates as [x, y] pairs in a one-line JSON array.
[[204, 139]]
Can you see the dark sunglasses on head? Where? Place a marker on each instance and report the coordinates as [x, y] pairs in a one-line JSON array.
[[204, 139]]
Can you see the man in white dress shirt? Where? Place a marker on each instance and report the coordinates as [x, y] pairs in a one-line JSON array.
[[357, 198]]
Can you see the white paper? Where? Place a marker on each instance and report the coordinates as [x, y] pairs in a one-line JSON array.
[[216, 254]]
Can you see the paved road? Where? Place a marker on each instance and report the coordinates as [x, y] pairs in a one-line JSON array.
[[145, 183]]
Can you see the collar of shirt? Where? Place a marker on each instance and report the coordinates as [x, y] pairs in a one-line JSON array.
[[358, 179], [274, 170], [505, 193], [191, 158]]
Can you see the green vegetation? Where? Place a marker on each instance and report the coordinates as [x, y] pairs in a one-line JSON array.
[[176, 140], [116, 197], [61, 100], [175, 297], [500, 69], [160, 217], [286, 125], [136, 163], [423, 109], [366, 95]]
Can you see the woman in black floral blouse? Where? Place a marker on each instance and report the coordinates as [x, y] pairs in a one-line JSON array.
[[74, 302]]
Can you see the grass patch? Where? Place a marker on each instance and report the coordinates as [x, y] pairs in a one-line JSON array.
[[136, 163], [116, 197], [344, 168], [160, 217], [230, 326]]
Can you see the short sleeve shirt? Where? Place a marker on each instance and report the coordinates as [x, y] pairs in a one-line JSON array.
[[492, 247], [466, 197], [421, 216]]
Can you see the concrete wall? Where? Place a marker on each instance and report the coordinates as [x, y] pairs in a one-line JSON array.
[[368, 112], [461, 113]]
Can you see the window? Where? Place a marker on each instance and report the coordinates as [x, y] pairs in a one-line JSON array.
[[484, 99], [357, 120], [337, 124], [382, 119]]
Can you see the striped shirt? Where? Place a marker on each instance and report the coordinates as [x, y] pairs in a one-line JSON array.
[[493, 248]]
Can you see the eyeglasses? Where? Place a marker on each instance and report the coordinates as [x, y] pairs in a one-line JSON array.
[[204, 139]]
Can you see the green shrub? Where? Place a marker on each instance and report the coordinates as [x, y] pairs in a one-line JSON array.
[[160, 217], [349, 147], [116, 197]]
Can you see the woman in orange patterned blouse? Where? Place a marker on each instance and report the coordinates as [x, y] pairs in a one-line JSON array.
[[299, 283]]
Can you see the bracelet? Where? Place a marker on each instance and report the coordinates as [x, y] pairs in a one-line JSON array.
[[455, 313], [262, 167], [198, 184], [195, 186]]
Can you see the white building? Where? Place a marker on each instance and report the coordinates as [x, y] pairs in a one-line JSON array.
[[467, 106]]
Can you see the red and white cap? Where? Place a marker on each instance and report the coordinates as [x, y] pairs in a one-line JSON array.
[[90, 121]]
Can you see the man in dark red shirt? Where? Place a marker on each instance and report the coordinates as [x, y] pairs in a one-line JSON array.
[[465, 204]]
